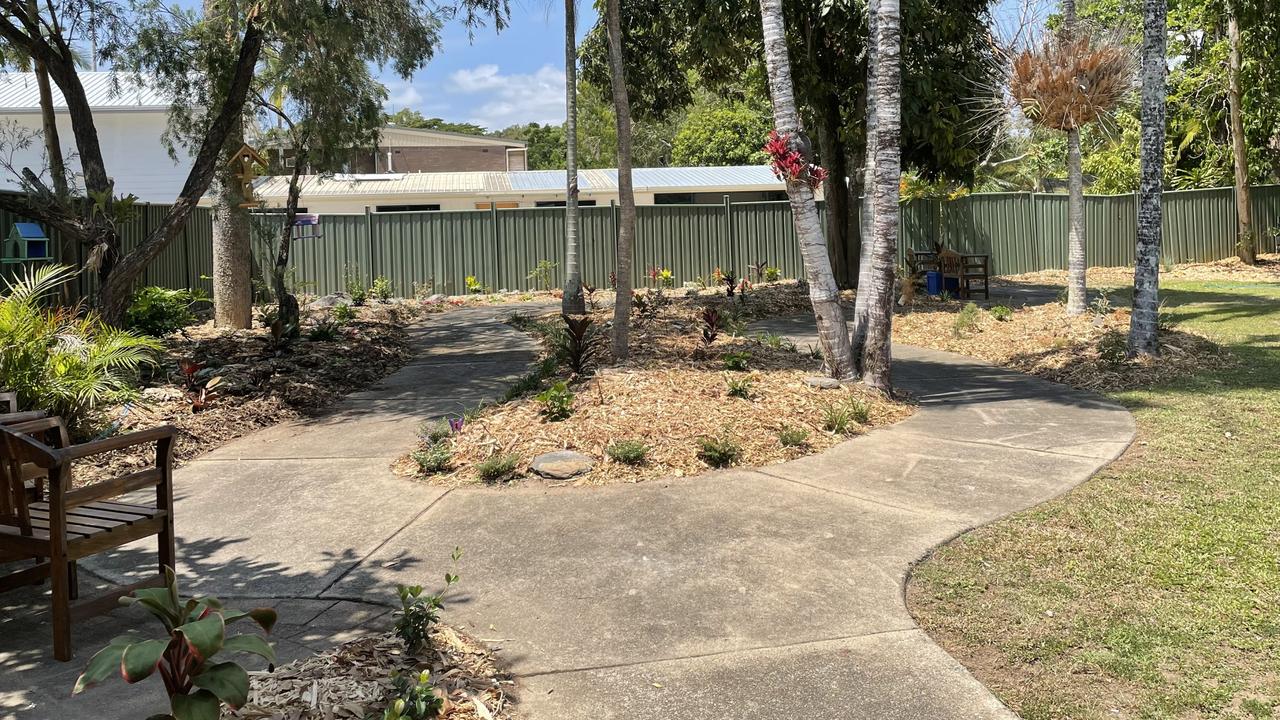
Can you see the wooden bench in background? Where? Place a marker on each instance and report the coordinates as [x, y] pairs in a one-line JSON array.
[[74, 523]]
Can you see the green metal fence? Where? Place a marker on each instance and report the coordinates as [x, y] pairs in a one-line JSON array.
[[1023, 232]]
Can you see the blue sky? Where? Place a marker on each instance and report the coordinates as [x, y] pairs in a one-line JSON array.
[[496, 79]]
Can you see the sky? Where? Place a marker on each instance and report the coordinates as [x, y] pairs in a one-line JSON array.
[[497, 80]]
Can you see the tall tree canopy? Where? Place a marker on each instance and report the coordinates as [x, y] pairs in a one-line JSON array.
[[207, 63]]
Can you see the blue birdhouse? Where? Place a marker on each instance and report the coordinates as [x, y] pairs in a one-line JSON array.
[[27, 243]]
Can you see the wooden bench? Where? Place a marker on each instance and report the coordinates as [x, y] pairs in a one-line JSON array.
[[73, 523]]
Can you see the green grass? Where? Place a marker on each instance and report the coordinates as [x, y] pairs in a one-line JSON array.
[[1152, 591]]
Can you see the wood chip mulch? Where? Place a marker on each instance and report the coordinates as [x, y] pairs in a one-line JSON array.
[[262, 384], [1086, 351], [1230, 269], [671, 393], [354, 680]]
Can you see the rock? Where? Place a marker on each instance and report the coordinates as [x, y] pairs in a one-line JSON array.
[[562, 464], [160, 394], [822, 383], [330, 300], [437, 298]]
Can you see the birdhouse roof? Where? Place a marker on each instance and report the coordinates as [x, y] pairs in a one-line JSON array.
[[29, 231], [246, 149]]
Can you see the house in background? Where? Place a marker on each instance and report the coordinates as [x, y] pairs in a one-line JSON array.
[[430, 191], [130, 116], [417, 150]]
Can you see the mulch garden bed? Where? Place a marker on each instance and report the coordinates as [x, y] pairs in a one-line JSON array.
[[1230, 269], [1085, 351], [354, 680], [674, 395], [263, 382]]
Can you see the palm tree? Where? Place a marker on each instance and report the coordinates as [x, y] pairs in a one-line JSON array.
[[862, 301], [626, 195], [1070, 80], [1245, 244], [884, 189], [573, 302], [791, 155], [1144, 323], [1077, 262]]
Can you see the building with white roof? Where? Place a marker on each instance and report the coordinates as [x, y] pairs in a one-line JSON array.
[[130, 117], [392, 192]]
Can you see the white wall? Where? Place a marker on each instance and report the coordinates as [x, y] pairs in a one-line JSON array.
[[337, 205], [131, 149]]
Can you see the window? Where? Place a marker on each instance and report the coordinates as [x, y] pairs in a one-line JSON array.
[[673, 199], [562, 203], [406, 208], [290, 161]]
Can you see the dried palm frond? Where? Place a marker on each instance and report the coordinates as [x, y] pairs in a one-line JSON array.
[[1063, 84]]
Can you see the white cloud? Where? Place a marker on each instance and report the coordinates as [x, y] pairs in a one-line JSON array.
[[511, 99]]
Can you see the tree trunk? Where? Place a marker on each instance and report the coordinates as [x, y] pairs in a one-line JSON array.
[[1077, 263], [626, 195], [1246, 245], [833, 333], [232, 251], [52, 144], [885, 190], [288, 314], [573, 303], [862, 300], [1144, 323], [835, 191]]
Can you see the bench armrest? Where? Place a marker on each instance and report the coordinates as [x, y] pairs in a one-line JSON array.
[[21, 417], [120, 442]]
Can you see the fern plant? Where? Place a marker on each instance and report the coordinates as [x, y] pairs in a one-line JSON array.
[[64, 360]]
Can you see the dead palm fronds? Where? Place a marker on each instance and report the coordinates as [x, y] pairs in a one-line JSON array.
[[1064, 84]]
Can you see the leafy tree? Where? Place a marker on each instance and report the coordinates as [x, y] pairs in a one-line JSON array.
[[722, 135], [410, 118]]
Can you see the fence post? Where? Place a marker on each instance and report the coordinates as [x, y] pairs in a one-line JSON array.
[[368, 229], [728, 232], [1037, 241]]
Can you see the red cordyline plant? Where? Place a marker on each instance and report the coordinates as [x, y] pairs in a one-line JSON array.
[[789, 163]]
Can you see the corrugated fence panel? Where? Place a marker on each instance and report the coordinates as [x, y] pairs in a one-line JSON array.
[[1111, 229], [597, 241], [528, 236], [690, 240], [322, 263], [1199, 225], [764, 232], [1265, 205]]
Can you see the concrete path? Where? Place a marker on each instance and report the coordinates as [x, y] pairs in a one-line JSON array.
[[736, 594]]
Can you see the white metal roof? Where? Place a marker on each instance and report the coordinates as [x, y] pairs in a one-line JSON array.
[[550, 182], [122, 92]]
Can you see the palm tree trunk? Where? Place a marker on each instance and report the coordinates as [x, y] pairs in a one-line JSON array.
[[833, 333], [1246, 246], [626, 195], [862, 300], [885, 191], [1077, 262], [573, 302], [1144, 324]]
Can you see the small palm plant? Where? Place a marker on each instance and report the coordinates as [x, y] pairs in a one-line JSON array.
[[63, 360], [195, 632]]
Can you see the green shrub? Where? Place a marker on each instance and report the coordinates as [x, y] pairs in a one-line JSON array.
[[843, 418], [324, 330], [498, 467], [413, 697], [774, 341], [382, 289], [158, 311], [1001, 313], [719, 451], [418, 612], [772, 274], [1113, 347], [557, 402], [736, 360], [474, 286], [343, 314], [1101, 305], [434, 431], [739, 387], [434, 459], [628, 452], [62, 362], [792, 436], [966, 320], [543, 275], [355, 285]]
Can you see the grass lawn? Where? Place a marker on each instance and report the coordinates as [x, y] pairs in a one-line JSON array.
[[1152, 591]]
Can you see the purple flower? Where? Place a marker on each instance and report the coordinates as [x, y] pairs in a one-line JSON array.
[[455, 424]]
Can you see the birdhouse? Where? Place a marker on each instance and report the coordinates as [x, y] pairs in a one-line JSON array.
[[242, 165], [27, 243]]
